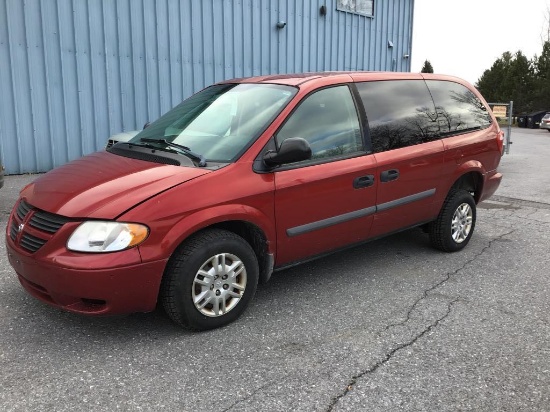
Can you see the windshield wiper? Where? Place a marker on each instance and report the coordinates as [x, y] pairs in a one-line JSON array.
[[182, 149], [149, 146]]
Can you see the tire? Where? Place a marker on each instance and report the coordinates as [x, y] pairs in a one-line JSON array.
[[455, 224], [209, 280]]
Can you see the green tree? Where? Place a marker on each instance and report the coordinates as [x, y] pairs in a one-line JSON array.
[[541, 98], [511, 77], [519, 83], [515, 77], [427, 68], [490, 82]]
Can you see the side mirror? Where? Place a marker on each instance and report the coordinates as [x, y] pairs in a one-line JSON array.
[[146, 125], [293, 149]]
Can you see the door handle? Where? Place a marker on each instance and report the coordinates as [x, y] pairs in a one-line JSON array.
[[363, 181], [389, 175]]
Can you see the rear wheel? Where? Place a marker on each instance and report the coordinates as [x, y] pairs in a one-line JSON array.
[[209, 280], [455, 224]]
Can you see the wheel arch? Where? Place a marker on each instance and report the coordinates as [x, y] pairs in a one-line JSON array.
[[470, 178], [255, 237], [247, 222]]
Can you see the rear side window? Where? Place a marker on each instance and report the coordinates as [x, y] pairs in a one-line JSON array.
[[458, 108], [400, 113]]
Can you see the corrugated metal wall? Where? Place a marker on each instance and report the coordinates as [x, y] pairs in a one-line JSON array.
[[73, 72]]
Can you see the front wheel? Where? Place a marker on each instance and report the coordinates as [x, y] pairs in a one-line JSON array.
[[455, 224], [209, 280]]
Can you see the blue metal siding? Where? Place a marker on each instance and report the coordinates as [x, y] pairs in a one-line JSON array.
[[74, 72]]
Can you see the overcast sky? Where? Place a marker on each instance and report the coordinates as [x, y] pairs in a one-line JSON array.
[[464, 38]]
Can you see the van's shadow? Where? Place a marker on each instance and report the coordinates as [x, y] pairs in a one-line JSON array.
[[156, 325]]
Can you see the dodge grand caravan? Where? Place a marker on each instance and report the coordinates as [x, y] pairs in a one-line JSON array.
[[249, 176]]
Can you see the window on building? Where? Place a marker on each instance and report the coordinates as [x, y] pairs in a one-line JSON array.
[[364, 7]]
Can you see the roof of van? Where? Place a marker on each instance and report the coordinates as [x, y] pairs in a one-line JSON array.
[[295, 79]]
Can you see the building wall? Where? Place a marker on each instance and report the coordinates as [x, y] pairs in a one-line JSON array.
[[74, 72]]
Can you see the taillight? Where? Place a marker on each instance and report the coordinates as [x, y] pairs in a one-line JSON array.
[[500, 141]]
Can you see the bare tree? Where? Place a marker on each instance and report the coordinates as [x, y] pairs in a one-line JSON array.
[[545, 33]]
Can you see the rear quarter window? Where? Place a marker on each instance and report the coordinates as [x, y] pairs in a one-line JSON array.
[[458, 109]]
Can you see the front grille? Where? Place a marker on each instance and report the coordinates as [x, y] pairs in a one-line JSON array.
[[45, 225], [48, 222], [22, 209], [110, 143], [13, 231], [31, 243]]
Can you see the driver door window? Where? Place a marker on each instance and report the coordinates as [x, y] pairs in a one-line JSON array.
[[328, 121]]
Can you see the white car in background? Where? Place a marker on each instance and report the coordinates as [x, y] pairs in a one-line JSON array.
[[545, 122], [121, 137]]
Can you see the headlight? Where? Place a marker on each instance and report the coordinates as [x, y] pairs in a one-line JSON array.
[[97, 236]]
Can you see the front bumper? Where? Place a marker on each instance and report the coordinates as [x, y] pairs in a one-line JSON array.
[[87, 283], [105, 291]]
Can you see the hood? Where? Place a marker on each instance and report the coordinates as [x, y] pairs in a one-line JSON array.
[[103, 185]]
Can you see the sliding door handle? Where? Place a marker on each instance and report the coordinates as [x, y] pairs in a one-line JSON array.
[[389, 175]]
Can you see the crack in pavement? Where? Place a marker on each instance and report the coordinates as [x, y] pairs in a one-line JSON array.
[[387, 357], [254, 392], [526, 218], [448, 276], [522, 202], [521, 205]]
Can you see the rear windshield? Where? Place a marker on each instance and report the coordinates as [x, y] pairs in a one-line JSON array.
[[221, 121]]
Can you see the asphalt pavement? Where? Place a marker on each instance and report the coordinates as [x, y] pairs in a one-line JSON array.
[[393, 325]]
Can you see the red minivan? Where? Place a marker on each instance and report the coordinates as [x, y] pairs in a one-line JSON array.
[[249, 176]]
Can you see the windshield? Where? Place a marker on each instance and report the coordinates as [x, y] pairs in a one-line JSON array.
[[220, 122]]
